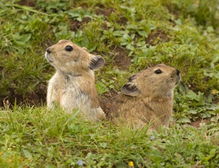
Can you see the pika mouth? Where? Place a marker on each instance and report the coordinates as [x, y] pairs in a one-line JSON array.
[[48, 57]]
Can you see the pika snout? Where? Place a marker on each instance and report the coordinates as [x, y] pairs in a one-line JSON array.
[[176, 76], [48, 56]]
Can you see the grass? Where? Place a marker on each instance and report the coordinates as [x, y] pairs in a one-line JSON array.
[[130, 35], [35, 137]]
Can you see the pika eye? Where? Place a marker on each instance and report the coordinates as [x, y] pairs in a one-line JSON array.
[[68, 48], [158, 71]]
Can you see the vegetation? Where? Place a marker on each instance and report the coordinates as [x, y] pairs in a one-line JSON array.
[[34, 137], [130, 35]]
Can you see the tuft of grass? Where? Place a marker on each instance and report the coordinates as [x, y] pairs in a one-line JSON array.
[[130, 35], [36, 137]]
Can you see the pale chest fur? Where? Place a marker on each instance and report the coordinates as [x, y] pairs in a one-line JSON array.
[[73, 97], [75, 92]]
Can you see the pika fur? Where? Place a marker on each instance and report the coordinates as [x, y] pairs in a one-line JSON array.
[[147, 98], [73, 84]]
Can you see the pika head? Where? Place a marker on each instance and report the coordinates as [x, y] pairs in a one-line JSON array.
[[157, 81], [147, 98], [68, 57]]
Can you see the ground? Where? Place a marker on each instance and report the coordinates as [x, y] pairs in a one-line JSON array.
[[130, 35]]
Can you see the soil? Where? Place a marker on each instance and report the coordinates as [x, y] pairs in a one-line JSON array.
[[101, 10], [38, 97], [122, 20], [75, 24], [30, 3], [157, 36], [121, 58], [198, 123], [107, 101]]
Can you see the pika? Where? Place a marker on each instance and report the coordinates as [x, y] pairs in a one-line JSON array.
[[73, 84], [147, 98]]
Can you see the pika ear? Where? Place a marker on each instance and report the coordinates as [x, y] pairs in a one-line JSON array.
[[96, 62], [130, 89]]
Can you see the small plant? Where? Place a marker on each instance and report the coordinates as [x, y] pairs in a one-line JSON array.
[[37, 137]]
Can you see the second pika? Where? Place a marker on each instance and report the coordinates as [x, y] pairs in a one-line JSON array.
[[147, 98], [73, 84]]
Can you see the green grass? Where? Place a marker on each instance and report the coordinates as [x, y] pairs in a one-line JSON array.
[[183, 34], [175, 32], [35, 137]]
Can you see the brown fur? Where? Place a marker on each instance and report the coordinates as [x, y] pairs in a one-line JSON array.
[[147, 98], [73, 84]]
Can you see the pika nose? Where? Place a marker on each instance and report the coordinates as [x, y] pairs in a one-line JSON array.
[[48, 50], [177, 72]]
